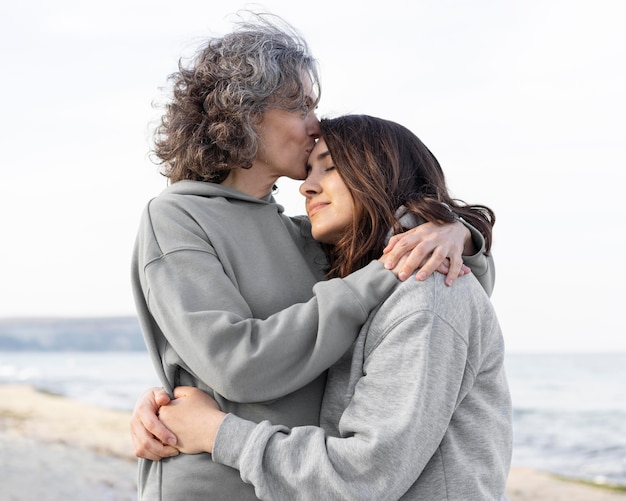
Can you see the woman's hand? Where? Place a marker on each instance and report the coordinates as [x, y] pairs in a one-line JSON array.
[[148, 434], [429, 247], [194, 417]]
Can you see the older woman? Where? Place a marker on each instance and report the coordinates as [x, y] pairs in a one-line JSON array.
[[228, 289]]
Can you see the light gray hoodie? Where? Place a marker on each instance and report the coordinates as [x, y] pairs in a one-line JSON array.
[[419, 409], [227, 294]]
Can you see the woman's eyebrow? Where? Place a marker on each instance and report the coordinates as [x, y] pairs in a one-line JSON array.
[[322, 155]]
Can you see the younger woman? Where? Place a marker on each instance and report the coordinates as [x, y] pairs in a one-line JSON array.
[[419, 408]]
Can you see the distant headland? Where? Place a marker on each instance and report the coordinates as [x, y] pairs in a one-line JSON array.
[[71, 334]]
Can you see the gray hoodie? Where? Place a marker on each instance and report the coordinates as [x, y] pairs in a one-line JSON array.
[[227, 294], [418, 409]]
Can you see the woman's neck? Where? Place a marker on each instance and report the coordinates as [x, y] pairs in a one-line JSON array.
[[250, 182]]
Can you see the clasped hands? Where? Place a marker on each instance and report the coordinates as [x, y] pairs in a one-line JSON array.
[[162, 427]]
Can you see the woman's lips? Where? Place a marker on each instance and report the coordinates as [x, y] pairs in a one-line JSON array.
[[316, 207]]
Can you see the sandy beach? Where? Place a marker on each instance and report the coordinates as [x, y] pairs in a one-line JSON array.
[[54, 448]]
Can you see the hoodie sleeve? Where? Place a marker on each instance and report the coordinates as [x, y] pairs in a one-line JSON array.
[[392, 427], [203, 316]]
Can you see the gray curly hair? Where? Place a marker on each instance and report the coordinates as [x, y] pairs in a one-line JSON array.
[[209, 123]]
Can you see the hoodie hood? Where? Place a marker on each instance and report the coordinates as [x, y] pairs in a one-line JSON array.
[[212, 190]]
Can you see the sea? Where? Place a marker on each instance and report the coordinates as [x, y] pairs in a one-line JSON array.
[[569, 410]]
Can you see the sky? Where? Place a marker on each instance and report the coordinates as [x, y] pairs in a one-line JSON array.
[[523, 103]]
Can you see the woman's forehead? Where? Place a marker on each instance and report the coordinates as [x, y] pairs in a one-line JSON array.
[[319, 153]]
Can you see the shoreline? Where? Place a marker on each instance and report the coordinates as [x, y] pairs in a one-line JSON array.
[[57, 448], [54, 448]]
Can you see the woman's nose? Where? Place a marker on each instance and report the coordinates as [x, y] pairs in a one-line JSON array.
[[313, 125], [309, 187]]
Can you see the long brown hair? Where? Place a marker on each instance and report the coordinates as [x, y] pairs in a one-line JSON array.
[[386, 166]]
